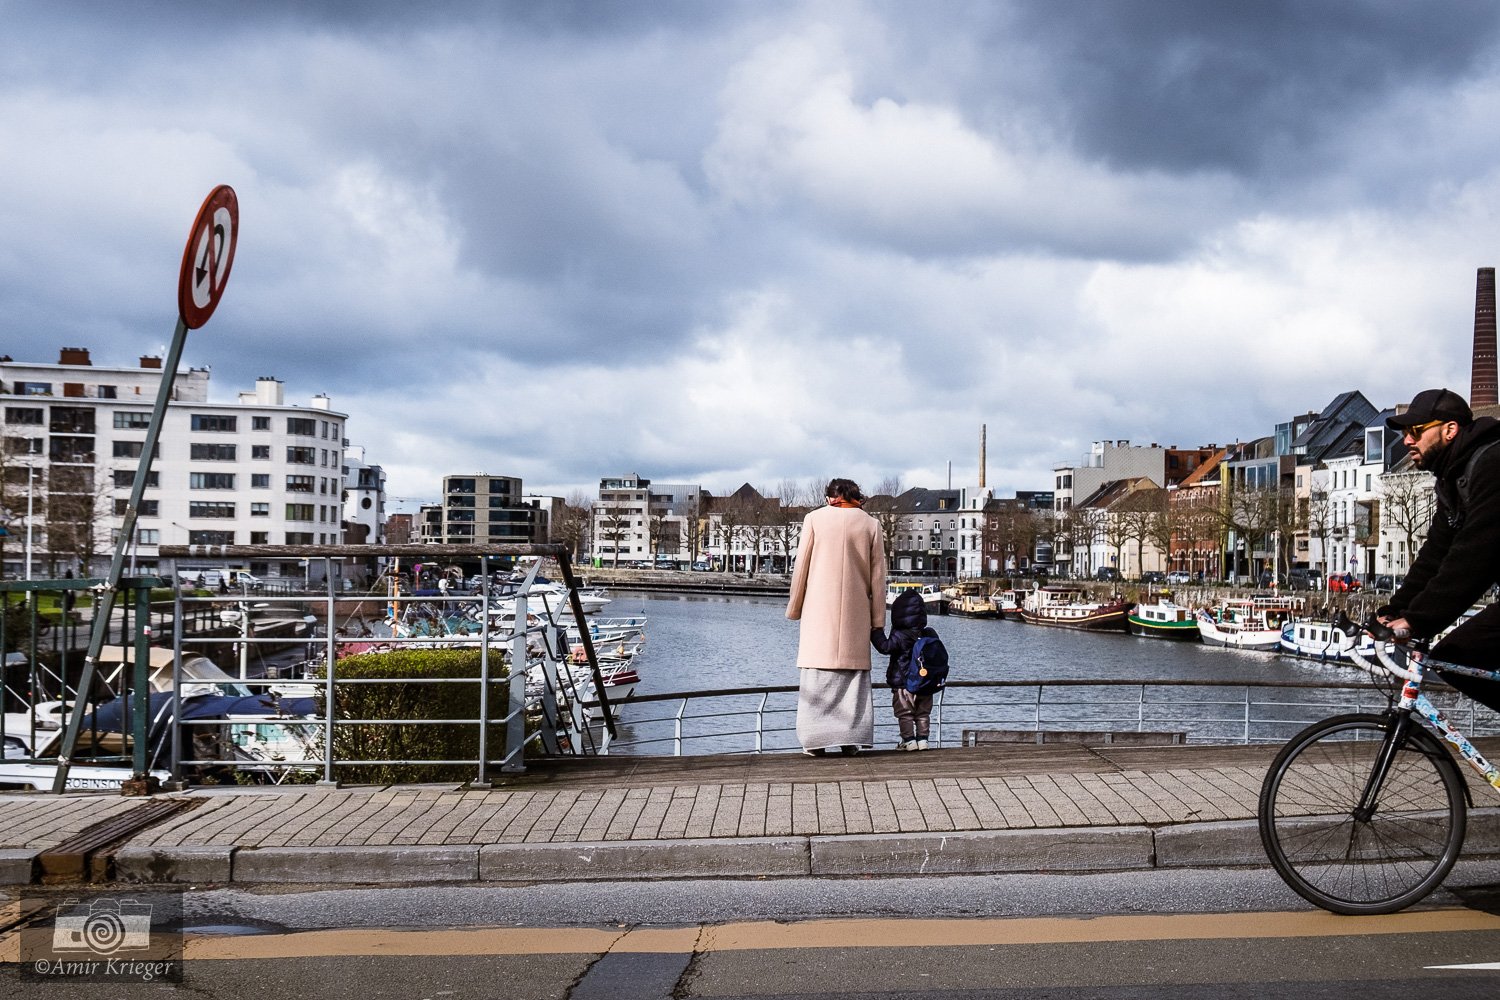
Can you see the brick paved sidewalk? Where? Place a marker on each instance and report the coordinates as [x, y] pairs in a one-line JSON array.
[[980, 809]]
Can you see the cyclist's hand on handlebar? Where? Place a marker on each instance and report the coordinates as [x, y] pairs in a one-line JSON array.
[[1388, 629]]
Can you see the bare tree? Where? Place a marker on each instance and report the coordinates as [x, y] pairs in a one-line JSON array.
[[22, 486], [1409, 503], [78, 516], [882, 507], [571, 526], [613, 525]]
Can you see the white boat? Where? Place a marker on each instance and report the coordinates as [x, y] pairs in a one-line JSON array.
[[1321, 641], [934, 601], [1248, 622]]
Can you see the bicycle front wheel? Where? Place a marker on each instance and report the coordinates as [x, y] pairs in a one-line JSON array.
[[1377, 860]]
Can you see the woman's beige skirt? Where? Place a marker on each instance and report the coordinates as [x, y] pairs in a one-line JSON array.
[[834, 709]]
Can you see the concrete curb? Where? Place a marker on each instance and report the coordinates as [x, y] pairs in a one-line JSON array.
[[17, 866], [192, 865], [645, 859], [397, 863], [984, 852], [1210, 845]]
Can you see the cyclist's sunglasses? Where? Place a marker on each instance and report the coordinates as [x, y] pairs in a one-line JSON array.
[[1417, 430]]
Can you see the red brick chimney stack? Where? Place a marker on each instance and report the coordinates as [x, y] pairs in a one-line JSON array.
[[1484, 390]]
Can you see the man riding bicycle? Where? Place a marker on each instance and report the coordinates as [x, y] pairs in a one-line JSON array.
[[1460, 559]]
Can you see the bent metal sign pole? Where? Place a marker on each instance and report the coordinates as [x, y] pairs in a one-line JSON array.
[[200, 284]]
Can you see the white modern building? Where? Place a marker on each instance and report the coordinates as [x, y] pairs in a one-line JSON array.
[[255, 471], [636, 520]]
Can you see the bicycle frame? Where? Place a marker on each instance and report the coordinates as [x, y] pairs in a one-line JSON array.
[[1414, 702]]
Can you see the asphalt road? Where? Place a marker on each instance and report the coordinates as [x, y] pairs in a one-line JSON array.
[[1229, 934]]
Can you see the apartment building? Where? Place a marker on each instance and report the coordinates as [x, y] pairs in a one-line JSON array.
[[636, 520], [256, 471], [483, 510]]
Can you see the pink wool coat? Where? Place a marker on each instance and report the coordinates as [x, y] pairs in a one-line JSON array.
[[838, 588]]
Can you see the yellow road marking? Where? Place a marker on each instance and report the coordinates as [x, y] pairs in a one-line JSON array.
[[764, 935]]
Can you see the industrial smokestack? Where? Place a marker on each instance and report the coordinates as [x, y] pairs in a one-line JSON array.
[[1483, 389], [982, 429]]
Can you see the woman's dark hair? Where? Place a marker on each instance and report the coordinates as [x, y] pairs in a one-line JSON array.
[[844, 489]]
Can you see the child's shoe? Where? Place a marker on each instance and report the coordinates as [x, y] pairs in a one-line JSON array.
[[921, 745], [907, 745]]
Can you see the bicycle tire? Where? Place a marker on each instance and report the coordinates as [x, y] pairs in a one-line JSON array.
[[1347, 865]]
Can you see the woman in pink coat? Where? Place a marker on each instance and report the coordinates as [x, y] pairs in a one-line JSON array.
[[838, 595]]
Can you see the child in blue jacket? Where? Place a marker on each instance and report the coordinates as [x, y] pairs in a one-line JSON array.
[[908, 624]]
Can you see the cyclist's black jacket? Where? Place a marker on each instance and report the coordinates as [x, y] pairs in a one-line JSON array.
[[1461, 558]]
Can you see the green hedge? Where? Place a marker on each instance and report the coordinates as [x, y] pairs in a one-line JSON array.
[[416, 701]]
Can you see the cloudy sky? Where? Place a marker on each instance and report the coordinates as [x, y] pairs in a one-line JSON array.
[[723, 242]]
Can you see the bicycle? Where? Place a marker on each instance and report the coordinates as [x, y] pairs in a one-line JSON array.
[[1365, 813]]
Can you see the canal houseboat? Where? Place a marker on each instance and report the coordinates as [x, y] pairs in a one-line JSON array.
[[1069, 607], [1163, 620]]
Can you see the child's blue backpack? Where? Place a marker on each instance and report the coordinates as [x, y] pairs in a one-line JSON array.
[[929, 666]]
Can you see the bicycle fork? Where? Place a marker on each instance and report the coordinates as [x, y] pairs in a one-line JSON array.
[[1395, 739]]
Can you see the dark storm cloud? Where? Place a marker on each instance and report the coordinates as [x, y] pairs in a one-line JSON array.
[[1245, 86]]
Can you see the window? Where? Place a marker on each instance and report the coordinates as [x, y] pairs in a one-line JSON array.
[[132, 421], [129, 449], [72, 420], [301, 456], [23, 446], [212, 452], [64, 448], [303, 426], [211, 480], [213, 422], [125, 478], [210, 508], [148, 536], [299, 512], [148, 508], [299, 538], [260, 538], [106, 392], [260, 480], [23, 415], [300, 484], [260, 510], [210, 538], [260, 423], [33, 388], [260, 452]]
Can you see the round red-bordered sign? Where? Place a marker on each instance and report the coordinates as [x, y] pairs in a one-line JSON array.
[[208, 257]]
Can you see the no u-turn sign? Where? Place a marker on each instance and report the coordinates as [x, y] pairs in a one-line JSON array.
[[208, 257]]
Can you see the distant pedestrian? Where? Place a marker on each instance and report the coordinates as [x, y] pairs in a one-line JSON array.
[[838, 595], [908, 624]]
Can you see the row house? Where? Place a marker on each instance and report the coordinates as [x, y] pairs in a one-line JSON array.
[[1195, 529], [1119, 526], [1017, 533], [747, 532], [1114, 461], [934, 533]]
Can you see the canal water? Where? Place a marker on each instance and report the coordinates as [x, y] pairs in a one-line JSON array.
[[709, 643]]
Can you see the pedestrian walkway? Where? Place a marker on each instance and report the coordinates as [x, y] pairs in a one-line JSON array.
[[983, 809]]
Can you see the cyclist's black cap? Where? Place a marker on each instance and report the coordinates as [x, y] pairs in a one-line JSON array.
[[1432, 404]]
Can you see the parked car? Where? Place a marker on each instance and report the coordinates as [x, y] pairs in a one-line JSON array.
[[1386, 583], [1347, 583], [1303, 579], [1178, 576], [1106, 573], [1153, 576]]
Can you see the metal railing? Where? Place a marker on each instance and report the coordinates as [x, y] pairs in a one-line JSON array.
[[273, 726], [759, 720]]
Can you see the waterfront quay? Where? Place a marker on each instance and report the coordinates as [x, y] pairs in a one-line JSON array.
[[991, 808]]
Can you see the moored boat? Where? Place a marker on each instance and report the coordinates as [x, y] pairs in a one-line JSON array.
[[973, 606], [1248, 622], [1163, 620], [1321, 641], [933, 599], [1068, 607]]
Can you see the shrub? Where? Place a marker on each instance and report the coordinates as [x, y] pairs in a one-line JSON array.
[[397, 700]]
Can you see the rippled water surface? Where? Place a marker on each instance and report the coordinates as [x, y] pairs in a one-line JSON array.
[[697, 643]]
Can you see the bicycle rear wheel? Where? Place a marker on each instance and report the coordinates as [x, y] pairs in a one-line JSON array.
[[1352, 863]]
